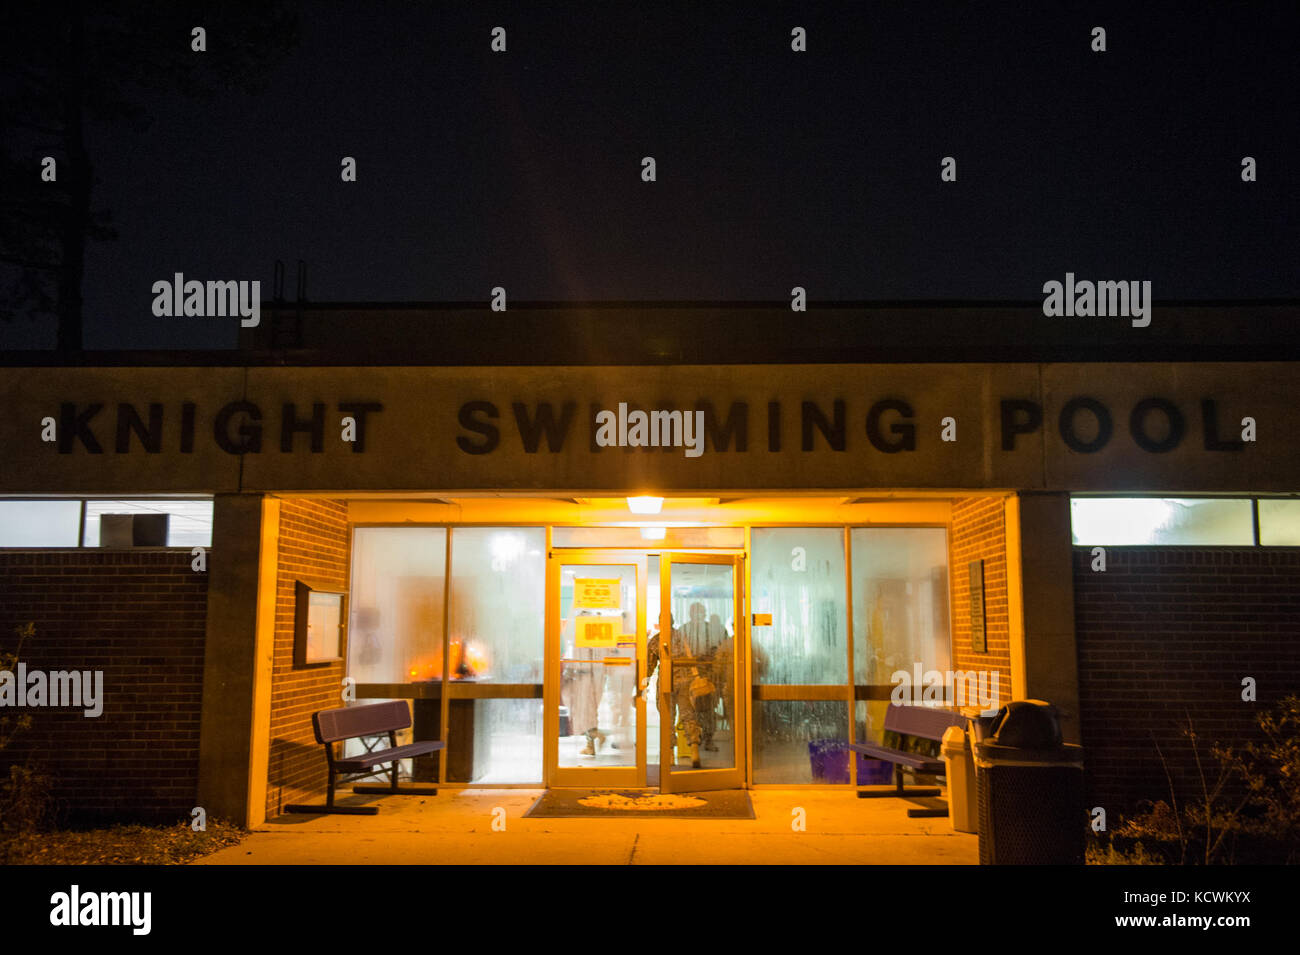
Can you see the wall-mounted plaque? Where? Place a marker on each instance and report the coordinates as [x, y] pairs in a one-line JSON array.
[[978, 641], [318, 625]]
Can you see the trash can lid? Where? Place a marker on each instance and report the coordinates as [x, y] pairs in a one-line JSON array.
[[989, 754], [1027, 724]]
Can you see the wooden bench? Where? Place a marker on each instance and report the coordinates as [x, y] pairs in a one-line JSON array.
[[353, 722], [923, 722]]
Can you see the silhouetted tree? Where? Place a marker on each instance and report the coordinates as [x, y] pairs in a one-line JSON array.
[[67, 64]]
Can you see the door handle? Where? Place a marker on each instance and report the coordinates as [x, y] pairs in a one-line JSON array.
[[641, 688]]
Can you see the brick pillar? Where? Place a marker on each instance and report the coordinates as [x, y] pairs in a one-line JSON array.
[[1050, 655], [237, 654]]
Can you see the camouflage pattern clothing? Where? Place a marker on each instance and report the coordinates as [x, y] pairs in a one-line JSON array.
[[693, 695]]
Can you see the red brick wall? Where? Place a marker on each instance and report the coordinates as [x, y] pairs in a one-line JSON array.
[[314, 547], [140, 617], [1169, 631], [979, 533]]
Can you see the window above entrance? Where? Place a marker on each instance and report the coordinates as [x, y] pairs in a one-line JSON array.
[[649, 534]]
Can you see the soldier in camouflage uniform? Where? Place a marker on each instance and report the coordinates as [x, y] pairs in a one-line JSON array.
[[693, 690]]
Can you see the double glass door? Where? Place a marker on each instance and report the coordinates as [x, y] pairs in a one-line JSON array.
[[646, 665]]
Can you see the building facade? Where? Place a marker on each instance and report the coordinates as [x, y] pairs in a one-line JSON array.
[[672, 570]]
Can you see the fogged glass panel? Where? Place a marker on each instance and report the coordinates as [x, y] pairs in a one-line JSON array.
[[661, 535], [598, 645], [703, 612], [498, 603], [801, 741], [900, 601], [397, 604], [1137, 521], [798, 577], [1279, 522], [507, 737], [40, 523], [189, 523], [869, 720]]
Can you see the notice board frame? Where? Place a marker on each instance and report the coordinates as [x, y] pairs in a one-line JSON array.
[[978, 630]]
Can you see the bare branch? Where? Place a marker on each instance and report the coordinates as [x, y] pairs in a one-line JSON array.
[[29, 264]]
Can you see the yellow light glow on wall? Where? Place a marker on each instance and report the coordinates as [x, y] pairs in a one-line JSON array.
[[645, 505]]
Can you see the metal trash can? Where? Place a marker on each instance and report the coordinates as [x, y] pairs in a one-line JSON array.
[[963, 797], [1031, 799]]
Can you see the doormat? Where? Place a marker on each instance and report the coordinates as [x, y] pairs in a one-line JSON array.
[[608, 803]]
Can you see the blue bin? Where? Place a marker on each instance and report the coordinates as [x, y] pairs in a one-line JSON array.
[[874, 772], [829, 758], [830, 765]]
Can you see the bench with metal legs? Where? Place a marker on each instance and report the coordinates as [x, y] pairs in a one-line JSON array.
[[353, 722], [923, 722]]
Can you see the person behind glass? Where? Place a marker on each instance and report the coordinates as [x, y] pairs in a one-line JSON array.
[[581, 687], [720, 653], [685, 719], [584, 688], [723, 669], [581, 691], [693, 684]]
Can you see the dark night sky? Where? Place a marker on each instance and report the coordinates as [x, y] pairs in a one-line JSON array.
[[775, 169]]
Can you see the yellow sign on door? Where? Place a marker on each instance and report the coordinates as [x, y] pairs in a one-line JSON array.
[[596, 631], [596, 593]]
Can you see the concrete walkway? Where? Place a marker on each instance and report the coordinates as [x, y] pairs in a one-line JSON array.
[[456, 828]]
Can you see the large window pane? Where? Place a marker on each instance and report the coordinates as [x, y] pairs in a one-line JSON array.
[[798, 577], [900, 601], [801, 741], [507, 741], [1169, 521], [397, 604], [189, 523], [1279, 522], [498, 603], [40, 523]]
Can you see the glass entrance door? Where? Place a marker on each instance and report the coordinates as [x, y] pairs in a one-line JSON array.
[[700, 648], [595, 714]]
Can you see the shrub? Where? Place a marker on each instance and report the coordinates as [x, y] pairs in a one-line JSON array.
[[1270, 768], [1217, 824], [24, 791]]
